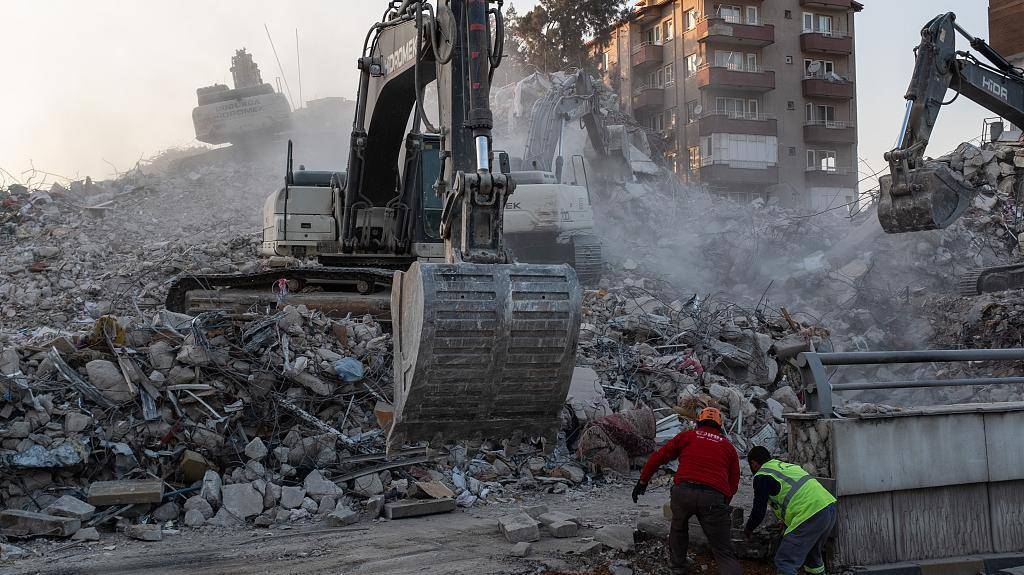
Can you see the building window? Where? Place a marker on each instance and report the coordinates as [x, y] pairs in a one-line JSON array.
[[653, 36], [668, 30], [752, 15], [789, 59], [792, 151], [730, 13], [788, 14], [670, 76], [791, 105], [808, 22], [823, 160], [691, 65], [690, 19], [824, 24], [671, 117], [752, 63], [694, 158], [691, 110], [752, 109], [825, 68]]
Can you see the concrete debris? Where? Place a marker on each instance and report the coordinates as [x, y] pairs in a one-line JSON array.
[[521, 549], [618, 537], [86, 534], [17, 523], [68, 506], [519, 527], [102, 493], [342, 516], [417, 507], [144, 532]]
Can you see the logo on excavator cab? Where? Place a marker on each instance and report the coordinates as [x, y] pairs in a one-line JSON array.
[[991, 85], [400, 57], [513, 206]]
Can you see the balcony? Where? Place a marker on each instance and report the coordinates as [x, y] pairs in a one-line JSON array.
[[842, 5], [827, 132], [729, 123], [718, 30], [826, 42], [738, 172], [647, 54], [819, 87], [754, 80], [648, 97], [817, 177]]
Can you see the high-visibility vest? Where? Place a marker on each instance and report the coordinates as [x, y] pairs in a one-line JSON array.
[[800, 495]]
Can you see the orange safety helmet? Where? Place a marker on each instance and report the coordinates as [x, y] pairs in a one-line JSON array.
[[710, 414]]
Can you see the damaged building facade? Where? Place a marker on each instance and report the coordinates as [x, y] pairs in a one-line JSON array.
[[754, 99]]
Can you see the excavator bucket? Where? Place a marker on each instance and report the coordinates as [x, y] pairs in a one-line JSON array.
[[482, 350], [936, 199]]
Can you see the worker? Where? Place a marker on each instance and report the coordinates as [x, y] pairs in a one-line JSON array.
[[806, 508], [704, 484]]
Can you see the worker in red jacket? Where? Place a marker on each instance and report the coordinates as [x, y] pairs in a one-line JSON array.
[[707, 479]]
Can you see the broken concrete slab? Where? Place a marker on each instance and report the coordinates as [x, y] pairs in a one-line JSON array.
[[194, 518], [125, 492], [292, 496], [18, 523], [256, 450], [563, 529], [68, 506], [342, 516], [242, 500], [375, 506], [417, 507], [591, 548], [430, 490], [210, 490], [167, 512], [199, 504], [368, 485], [655, 527], [519, 527], [521, 549], [317, 486], [535, 511], [618, 537], [86, 534], [144, 532], [556, 517]]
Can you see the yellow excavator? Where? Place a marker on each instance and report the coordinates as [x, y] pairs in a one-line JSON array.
[[483, 346], [919, 195]]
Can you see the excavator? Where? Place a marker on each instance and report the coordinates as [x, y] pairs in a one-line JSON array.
[[483, 346], [919, 195]]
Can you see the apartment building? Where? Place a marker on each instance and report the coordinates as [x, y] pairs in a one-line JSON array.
[[754, 98], [1005, 21]]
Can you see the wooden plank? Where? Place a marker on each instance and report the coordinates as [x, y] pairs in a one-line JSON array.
[[125, 492], [942, 522], [865, 531], [1006, 501]]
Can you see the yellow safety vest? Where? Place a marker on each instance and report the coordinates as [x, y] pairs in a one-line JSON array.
[[800, 495]]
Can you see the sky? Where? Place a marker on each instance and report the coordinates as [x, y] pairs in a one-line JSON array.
[[92, 86]]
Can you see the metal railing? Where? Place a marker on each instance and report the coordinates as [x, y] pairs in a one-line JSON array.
[[829, 124], [743, 67], [736, 115], [829, 76], [827, 33], [644, 87], [819, 397], [742, 21], [839, 171], [744, 164], [642, 45]]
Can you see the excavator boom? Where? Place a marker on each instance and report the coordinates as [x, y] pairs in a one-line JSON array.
[[919, 196]]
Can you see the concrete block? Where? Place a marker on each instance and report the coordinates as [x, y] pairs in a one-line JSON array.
[[557, 517], [124, 492], [375, 506], [242, 500], [292, 496], [519, 527], [591, 548], [145, 532], [342, 516], [535, 511], [521, 549], [417, 507], [17, 523], [68, 506], [618, 537], [86, 534], [193, 466], [563, 529]]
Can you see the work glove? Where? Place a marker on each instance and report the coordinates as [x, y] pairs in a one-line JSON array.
[[639, 490]]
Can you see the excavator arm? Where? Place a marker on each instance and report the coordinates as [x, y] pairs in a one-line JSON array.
[[917, 196]]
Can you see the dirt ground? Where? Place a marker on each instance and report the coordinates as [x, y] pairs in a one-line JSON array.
[[462, 542]]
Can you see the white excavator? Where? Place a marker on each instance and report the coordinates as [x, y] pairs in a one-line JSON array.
[[483, 346]]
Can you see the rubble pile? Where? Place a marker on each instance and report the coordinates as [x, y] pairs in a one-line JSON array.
[[69, 254]]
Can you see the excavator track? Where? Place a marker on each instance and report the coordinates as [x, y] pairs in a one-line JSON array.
[[368, 290], [991, 280], [587, 259]]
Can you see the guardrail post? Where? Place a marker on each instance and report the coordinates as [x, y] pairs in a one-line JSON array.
[[819, 397]]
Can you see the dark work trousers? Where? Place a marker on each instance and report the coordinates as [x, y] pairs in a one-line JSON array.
[[715, 519]]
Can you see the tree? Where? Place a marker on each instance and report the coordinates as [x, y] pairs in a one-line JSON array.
[[553, 35]]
